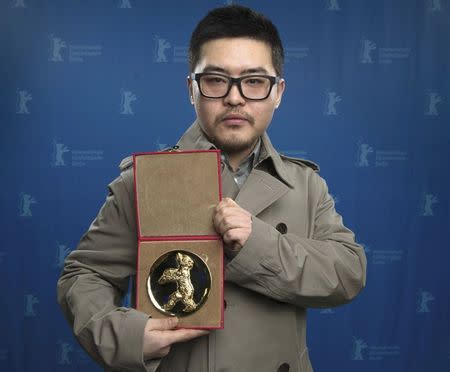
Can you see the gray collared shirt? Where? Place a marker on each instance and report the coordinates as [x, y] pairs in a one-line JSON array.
[[246, 166]]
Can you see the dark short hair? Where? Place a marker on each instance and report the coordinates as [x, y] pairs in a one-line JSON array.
[[236, 21]]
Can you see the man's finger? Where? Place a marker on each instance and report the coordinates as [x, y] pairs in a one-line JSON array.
[[234, 222], [170, 337], [163, 324], [226, 202], [231, 236], [238, 235]]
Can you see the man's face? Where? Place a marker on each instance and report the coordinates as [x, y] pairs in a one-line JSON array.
[[234, 123]]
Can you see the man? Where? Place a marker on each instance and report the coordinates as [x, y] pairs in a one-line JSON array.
[[286, 248]]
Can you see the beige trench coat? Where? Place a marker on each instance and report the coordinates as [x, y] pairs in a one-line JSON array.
[[298, 255]]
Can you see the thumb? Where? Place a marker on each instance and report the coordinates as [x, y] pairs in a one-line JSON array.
[[162, 324], [229, 201]]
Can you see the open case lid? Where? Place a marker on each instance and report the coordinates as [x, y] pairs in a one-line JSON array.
[[176, 193]]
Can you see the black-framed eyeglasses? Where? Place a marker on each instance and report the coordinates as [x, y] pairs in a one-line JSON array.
[[252, 87]]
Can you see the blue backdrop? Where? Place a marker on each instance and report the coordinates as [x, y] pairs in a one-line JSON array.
[[86, 83]]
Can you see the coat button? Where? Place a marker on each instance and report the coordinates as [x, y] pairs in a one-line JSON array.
[[283, 368], [282, 228]]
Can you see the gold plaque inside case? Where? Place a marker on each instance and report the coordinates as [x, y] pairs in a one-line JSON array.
[[182, 278], [179, 283]]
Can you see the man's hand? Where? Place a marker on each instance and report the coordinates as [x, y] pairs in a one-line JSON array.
[[233, 223], [160, 334]]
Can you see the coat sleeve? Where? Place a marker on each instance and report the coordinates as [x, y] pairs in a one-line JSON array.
[[326, 270], [94, 280]]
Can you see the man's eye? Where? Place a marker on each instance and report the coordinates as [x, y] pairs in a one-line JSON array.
[[254, 81], [215, 80]]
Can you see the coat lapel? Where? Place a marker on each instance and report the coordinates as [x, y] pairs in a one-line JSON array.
[[260, 191], [261, 188], [229, 187]]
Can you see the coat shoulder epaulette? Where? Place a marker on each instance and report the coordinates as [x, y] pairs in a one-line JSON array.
[[126, 163], [302, 162]]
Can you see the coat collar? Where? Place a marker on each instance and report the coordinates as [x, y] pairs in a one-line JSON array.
[[195, 138]]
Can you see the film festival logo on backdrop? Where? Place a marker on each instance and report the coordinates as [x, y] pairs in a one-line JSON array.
[[161, 47], [161, 51], [77, 53], [124, 4], [127, 97], [429, 201], [433, 98], [386, 55], [332, 98], [367, 48], [56, 47], [25, 203], [30, 302], [59, 149], [296, 54], [434, 5], [23, 97], [68, 354], [362, 351], [383, 158], [64, 351], [362, 155], [327, 311], [423, 300], [160, 146], [18, 4], [333, 6], [383, 256], [78, 158], [359, 345], [62, 252]]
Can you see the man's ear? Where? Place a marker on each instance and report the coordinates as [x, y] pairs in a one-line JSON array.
[[190, 89], [281, 86]]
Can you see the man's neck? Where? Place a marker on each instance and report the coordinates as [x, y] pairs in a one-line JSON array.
[[235, 159]]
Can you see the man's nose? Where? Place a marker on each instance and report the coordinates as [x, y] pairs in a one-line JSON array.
[[234, 97]]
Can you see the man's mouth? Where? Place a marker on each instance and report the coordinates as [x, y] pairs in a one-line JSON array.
[[235, 119]]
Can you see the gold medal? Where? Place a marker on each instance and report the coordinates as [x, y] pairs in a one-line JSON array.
[[179, 283]]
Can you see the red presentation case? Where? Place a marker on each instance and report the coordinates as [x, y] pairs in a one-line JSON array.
[[176, 193]]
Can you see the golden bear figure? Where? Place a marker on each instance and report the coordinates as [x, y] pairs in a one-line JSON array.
[[182, 277]]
